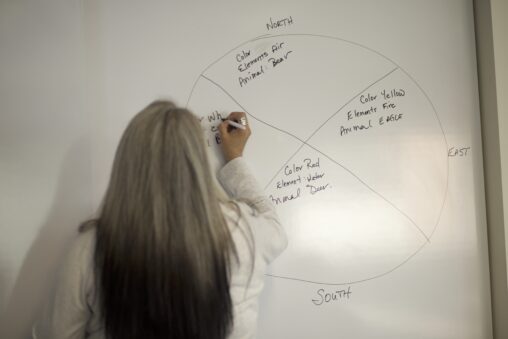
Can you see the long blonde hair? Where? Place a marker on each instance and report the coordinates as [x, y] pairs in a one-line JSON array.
[[163, 247]]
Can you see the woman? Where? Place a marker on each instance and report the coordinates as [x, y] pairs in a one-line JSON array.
[[169, 256]]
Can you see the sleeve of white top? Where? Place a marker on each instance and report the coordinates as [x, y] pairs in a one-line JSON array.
[[241, 185], [66, 314]]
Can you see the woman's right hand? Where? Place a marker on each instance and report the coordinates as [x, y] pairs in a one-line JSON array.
[[234, 139]]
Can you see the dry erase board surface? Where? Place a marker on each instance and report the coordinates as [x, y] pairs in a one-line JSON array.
[[366, 138]]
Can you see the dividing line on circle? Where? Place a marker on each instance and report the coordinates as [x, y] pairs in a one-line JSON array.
[[349, 101], [264, 36], [245, 110], [305, 142]]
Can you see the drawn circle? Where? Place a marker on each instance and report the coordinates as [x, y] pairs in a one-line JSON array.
[[379, 190]]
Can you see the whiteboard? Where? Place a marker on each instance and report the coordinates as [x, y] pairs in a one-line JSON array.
[[366, 137]]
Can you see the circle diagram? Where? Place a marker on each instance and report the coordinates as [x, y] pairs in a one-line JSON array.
[[346, 144]]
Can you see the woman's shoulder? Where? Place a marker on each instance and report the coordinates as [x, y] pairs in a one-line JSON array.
[[80, 254]]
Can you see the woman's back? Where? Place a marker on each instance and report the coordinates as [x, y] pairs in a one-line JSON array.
[[180, 269]]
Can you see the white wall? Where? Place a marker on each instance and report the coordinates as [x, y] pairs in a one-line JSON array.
[[44, 151], [41, 91]]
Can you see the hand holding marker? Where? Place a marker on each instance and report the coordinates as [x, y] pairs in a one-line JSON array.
[[233, 123], [234, 132]]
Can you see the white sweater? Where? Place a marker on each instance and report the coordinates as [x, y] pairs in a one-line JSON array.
[[72, 311]]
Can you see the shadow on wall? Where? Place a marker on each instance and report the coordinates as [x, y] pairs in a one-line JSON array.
[[71, 205]]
